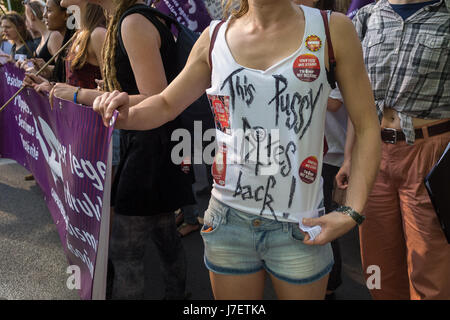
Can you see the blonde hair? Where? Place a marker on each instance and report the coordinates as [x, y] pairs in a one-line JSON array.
[[230, 8], [93, 18]]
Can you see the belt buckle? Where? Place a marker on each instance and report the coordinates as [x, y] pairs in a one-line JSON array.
[[394, 135]]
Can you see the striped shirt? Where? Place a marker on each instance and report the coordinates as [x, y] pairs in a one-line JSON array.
[[408, 61]]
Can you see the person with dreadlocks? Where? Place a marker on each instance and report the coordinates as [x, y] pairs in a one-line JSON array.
[[147, 187]]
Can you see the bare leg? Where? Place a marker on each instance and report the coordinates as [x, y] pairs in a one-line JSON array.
[[238, 287], [289, 291]]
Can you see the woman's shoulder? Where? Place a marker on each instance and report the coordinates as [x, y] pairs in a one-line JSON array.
[[55, 36], [137, 21], [98, 35], [55, 41], [138, 28], [341, 27]]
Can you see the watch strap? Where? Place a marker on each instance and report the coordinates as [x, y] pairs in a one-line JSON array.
[[359, 219]]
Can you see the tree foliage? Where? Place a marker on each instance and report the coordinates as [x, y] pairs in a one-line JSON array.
[[16, 5]]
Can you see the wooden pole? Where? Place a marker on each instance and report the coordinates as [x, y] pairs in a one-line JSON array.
[[43, 67]]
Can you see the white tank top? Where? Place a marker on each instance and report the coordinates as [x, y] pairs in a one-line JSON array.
[[270, 128]]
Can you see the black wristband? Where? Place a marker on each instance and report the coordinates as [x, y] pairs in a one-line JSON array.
[[359, 219]]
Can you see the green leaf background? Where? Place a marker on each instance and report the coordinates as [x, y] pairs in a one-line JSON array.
[[16, 5]]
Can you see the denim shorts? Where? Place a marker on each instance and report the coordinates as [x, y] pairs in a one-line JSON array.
[[239, 243]]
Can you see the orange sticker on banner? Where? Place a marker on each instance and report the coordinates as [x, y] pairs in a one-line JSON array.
[[308, 170], [307, 67], [313, 43]]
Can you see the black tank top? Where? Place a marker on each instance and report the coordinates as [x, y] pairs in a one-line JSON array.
[[147, 182], [59, 72], [44, 53], [167, 51]]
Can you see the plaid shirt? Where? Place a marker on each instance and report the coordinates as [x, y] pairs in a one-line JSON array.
[[408, 62]]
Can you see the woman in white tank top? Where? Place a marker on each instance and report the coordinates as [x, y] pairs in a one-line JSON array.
[[267, 84]]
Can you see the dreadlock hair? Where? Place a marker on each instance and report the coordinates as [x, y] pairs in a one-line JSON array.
[[94, 17], [109, 68], [109, 48]]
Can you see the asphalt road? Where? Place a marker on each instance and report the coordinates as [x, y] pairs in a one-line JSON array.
[[33, 265]]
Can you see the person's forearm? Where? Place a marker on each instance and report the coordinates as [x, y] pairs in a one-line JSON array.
[[349, 141], [87, 97], [148, 114], [136, 99], [364, 167]]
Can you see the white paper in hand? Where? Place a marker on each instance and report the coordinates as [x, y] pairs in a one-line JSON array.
[[312, 231]]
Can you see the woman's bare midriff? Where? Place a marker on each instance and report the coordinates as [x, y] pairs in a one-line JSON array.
[[392, 120]]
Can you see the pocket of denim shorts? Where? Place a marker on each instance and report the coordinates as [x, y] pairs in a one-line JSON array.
[[296, 234], [211, 221]]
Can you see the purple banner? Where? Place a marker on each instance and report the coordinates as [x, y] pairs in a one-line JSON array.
[[355, 5], [66, 150], [192, 13]]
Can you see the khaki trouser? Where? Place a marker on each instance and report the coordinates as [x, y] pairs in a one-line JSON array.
[[401, 233]]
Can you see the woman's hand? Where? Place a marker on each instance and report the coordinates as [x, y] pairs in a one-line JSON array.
[[110, 101], [334, 225], [38, 83], [32, 80], [26, 65], [343, 175], [64, 91], [5, 58], [100, 84], [44, 87], [34, 65]]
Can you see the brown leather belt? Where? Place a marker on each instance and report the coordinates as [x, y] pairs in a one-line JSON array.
[[390, 135]]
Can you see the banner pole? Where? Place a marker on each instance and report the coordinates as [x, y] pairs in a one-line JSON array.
[[43, 67]]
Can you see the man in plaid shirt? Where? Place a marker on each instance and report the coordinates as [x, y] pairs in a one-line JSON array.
[[406, 45]]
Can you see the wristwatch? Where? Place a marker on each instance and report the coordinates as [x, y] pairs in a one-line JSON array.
[[352, 213]]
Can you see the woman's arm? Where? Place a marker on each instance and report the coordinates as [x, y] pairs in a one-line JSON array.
[[142, 42], [190, 84], [358, 96], [357, 93], [54, 42], [95, 45], [343, 175]]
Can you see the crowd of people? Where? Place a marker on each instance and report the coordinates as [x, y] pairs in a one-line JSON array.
[[327, 85]]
